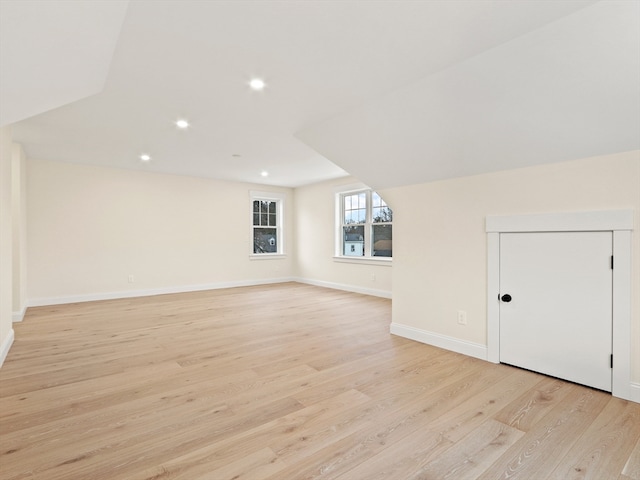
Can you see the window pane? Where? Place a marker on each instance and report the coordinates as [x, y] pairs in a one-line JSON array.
[[382, 214], [353, 241], [354, 216], [272, 219], [265, 240], [375, 199], [256, 206], [381, 237], [355, 208], [272, 207], [256, 219]]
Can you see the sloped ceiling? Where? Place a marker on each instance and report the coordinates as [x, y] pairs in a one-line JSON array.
[[568, 90], [54, 52], [393, 92]]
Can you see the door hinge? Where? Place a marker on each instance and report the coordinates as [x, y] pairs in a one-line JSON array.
[[611, 360], [611, 262]]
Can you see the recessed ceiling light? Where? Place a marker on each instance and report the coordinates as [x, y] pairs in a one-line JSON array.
[[181, 123], [257, 84], [264, 173], [236, 155], [145, 157]]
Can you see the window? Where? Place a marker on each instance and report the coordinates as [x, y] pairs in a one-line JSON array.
[[365, 225], [266, 223]]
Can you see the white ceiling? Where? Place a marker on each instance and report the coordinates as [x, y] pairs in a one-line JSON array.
[[54, 52], [388, 90], [568, 90]]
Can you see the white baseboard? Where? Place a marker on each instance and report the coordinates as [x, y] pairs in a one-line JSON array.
[[437, 340], [6, 346], [39, 302], [19, 316], [634, 391], [349, 288]]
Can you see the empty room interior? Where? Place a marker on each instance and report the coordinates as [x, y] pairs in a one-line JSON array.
[[316, 239]]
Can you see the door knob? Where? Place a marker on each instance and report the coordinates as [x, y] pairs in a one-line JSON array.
[[506, 298]]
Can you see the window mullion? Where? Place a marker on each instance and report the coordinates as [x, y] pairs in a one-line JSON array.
[[342, 224], [367, 226]]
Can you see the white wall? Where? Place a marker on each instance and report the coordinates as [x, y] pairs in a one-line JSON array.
[[6, 328], [19, 227], [315, 243], [89, 228], [440, 248]]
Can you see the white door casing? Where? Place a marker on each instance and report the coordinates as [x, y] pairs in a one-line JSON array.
[[620, 222]]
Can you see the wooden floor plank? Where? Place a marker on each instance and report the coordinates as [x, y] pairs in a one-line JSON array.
[[397, 461], [458, 422], [632, 467], [472, 455], [528, 409], [285, 381], [233, 448], [605, 446], [537, 454]]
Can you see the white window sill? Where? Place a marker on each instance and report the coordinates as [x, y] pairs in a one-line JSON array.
[[267, 256], [380, 261]]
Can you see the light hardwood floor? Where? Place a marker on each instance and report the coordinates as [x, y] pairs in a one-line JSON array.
[[285, 382]]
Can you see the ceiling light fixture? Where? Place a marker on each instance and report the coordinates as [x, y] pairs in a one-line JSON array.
[[145, 157], [181, 123], [264, 173], [257, 84]]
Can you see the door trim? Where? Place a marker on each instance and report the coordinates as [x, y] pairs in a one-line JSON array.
[[620, 222]]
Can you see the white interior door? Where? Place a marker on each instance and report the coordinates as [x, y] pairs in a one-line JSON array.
[[556, 304]]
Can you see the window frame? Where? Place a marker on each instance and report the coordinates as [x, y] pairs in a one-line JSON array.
[[367, 258], [279, 199]]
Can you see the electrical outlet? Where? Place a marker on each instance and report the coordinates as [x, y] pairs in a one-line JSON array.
[[373, 277], [462, 317], [131, 279]]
